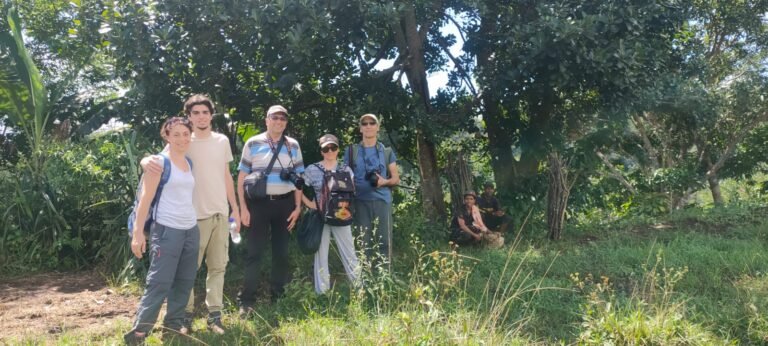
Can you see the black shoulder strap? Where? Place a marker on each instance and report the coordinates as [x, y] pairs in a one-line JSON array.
[[274, 156]]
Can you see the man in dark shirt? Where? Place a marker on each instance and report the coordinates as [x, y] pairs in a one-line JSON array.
[[490, 209]]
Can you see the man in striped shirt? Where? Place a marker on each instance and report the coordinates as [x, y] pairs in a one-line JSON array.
[[276, 215]]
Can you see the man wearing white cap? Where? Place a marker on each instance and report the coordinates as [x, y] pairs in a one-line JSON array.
[[275, 215], [375, 168]]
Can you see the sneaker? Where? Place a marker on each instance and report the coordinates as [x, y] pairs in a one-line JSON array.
[[214, 323], [131, 338]]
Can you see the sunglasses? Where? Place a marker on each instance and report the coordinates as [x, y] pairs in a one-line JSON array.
[[328, 148], [278, 117], [367, 123]]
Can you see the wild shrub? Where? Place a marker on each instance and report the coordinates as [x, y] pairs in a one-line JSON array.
[[652, 314], [72, 213]]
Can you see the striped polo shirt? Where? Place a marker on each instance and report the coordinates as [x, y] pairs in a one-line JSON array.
[[258, 151]]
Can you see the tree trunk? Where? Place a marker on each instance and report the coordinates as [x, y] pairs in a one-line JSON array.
[[557, 196], [431, 191], [459, 177], [409, 37], [714, 187]]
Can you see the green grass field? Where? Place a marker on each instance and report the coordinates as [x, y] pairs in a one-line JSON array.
[[695, 277]]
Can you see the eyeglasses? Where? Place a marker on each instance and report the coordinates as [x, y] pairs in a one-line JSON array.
[[278, 117], [328, 148], [368, 123]]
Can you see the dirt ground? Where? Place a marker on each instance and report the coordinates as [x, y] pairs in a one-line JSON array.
[[43, 306]]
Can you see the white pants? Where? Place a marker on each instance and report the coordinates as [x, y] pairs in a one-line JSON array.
[[346, 246]]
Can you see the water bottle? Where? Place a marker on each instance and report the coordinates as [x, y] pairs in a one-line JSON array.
[[232, 231]]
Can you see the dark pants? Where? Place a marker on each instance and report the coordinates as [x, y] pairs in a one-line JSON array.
[[172, 270], [377, 240], [463, 238], [268, 218]]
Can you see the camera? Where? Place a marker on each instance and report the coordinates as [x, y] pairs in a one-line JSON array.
[[290, 175], [372, 177]]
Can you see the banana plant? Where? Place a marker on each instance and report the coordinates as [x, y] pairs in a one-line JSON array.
[[26, 95]]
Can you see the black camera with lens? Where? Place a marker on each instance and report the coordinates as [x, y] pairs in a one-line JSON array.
[[290, 175], [373, 177]]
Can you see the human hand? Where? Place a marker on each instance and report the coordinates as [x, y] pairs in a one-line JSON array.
[[138, 243], [498, 213], [382, 181], [151, 164], [236, 216], [245, 217], [293, 218]]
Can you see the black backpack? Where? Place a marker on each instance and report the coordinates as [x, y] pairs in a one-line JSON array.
[[335, 201]]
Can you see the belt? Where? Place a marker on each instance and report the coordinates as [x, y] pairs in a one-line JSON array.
[[278, 197]]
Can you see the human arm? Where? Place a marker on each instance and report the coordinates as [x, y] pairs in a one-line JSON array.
[[294, 217], [477, 219], [231, 197], [152, 164], [245, 216], [394, 176], [148, 189], [464, 228], [308, 202]]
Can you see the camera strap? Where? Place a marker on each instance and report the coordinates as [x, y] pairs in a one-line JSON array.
[[275, 154]]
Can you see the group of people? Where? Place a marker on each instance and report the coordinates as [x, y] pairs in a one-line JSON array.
[[191, 217], [479, 218]]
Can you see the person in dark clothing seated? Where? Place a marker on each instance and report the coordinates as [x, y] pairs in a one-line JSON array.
[[467, 226], [490, 209]]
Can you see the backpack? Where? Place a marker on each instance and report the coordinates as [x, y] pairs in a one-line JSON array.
[[336, 199], [152, 212], [387, 157]]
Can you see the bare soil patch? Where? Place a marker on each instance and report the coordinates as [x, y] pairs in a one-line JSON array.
[[43, 306]]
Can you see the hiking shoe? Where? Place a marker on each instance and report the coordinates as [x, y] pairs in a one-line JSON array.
[[214, 323], [132, 339]]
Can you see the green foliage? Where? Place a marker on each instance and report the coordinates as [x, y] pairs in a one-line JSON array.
[[79, 217]]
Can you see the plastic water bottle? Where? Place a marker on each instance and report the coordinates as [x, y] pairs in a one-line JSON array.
[[232, 231]]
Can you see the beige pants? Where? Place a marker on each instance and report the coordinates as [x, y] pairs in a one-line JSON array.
[[214, 246]]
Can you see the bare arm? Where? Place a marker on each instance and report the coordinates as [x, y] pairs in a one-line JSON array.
[[394, 176], [308, 202], [245, 216], [231, 197], [478, 219], [464, 228], [152, 163], [148, 189], [294, 217]]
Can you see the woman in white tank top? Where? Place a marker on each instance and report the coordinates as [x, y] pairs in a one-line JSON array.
[[173, 239]]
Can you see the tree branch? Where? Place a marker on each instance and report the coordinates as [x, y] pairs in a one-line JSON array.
[[457, 63], [458, 28], [735, 140], [652, 154], [615, 172]]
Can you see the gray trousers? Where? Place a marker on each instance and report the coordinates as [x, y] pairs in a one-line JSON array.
[[377, 238], [345, 243], [172, 271]]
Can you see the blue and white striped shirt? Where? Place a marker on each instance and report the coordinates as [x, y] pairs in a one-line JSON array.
[[257, 152]]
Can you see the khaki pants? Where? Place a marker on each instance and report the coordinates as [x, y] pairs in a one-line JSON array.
[[214, 246]]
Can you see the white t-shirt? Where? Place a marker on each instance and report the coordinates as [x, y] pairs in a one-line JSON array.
[[175, 208]]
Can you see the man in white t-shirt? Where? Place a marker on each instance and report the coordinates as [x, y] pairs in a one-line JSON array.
[[213, 196]]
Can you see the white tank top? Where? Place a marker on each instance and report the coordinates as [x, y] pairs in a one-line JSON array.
[[175, 208]]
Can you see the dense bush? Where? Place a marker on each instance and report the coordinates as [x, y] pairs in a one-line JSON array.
[[72, 214]]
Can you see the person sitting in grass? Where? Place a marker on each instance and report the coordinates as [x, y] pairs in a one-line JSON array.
[[491, 211], [467, 226]]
